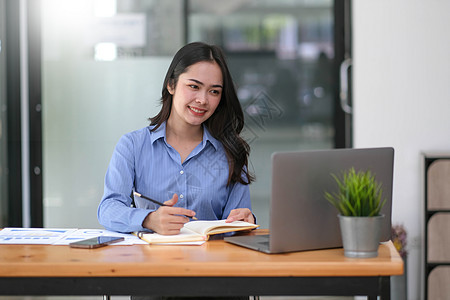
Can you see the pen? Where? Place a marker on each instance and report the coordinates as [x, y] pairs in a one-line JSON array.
[[156, 202]]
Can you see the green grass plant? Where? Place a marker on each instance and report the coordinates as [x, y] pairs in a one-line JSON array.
[[359, 194]]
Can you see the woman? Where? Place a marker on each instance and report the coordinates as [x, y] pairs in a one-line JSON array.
[[191, 154]]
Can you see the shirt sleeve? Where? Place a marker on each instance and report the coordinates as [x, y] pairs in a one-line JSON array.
[[115, 212], [238, 197]]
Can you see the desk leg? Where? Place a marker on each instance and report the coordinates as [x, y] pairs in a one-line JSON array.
[[385, 288]]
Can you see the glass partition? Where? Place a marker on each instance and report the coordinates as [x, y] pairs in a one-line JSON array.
[[103, 65]]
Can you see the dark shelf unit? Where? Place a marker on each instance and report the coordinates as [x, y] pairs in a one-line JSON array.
[[437, 211]]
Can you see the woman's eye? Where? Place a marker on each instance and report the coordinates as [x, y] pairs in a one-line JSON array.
[[215, 92], [193, 86]]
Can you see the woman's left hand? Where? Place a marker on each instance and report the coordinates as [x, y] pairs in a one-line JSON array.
[[241, 214]]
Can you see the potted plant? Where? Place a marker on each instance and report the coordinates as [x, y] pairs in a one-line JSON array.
[[359, 202]]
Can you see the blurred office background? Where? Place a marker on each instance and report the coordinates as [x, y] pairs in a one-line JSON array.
[[102, 64]]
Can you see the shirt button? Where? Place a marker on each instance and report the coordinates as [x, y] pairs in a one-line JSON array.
[[181, 172], [181, 196]]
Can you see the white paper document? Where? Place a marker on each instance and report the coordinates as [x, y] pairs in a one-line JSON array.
[[59, 236]]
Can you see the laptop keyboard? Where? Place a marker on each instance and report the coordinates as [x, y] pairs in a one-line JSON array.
[[264, 243], [263, 240]]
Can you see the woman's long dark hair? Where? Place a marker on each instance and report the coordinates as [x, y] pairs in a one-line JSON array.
[[226, 123]]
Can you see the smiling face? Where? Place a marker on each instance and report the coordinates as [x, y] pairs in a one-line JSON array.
[[197, 94]]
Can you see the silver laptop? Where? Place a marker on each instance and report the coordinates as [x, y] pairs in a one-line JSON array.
[[300, 217]]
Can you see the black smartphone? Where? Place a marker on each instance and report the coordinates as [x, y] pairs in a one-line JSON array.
[[96, 242]]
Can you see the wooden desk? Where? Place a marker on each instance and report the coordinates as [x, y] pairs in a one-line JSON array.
[[215, 268]]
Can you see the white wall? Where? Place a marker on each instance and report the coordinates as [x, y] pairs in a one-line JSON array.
[[401, 69]]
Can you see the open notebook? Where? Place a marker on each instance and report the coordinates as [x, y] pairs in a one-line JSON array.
[[196, 231]]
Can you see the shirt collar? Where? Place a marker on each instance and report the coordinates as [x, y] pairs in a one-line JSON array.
[[208, 137], [161, 133], [158, 133]]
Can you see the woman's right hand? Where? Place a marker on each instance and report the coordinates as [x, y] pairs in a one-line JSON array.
[[168, 220]]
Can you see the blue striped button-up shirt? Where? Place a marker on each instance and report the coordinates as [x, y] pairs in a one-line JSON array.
[[143, 161]]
